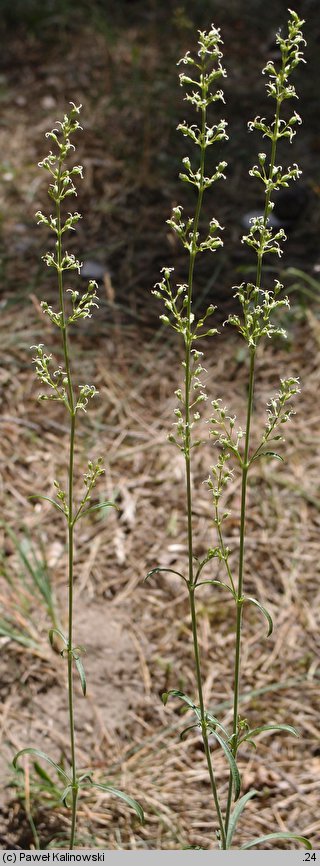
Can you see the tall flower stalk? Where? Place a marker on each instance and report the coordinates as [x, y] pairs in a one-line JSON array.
[[62, 387], [258, 305], [205, 70]]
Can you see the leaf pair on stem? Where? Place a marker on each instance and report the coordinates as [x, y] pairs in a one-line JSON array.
[[258, 305], [60, 386]]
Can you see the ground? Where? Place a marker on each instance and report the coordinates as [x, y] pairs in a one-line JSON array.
[[137, 635]]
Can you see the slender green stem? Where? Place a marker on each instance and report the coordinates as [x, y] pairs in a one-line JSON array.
[[245, 469], [223, 549], [70, 527], [241, 574], [70, 637], [191, 585], [188, 344], [203, 716]]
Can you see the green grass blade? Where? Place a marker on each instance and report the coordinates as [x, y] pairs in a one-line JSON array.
[[109, 789], [237, 812], [44, 776], [263, 610], [38, 573], [288, 729], [7, 631], [304, 841], [39, 754], [233, 766]]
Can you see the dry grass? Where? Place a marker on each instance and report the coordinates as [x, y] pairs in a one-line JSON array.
[[141, 633], [138, 636]]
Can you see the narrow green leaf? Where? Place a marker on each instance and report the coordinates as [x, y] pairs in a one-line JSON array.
[[48, 499], [82, 675], [272, 454], [186, 730], [57, 631], [19, 637], [216, 583], [77, 650], [43, 775], [216, 723], [251, 743], [233, 767], [96, 508], [288, 729], [270, 836], [84, 779], [237, 812], [268, 454], [37, 572], [175, 693], [40, 754], [158, 569], [64, 795], [129, 800], [263, 610]]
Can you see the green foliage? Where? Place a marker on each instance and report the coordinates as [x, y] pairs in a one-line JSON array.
[[60, 386], [260, 306], [234, 452], [29, 588]]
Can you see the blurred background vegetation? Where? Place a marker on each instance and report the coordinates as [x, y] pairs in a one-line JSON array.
[[118, 57]]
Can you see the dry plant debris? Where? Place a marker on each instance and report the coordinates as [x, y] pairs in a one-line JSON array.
[[144, 637], [146, 631]]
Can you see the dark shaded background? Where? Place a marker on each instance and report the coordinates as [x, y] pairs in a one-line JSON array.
[[119, 60]]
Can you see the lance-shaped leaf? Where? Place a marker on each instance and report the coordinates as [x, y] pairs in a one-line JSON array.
[[99, 505], [262, 839], [272, 454], [109, 789], [158, 569], [214, 723], [64, 795], [237, 812], [263, 610], [40, 754], [287, 729], [217, 583], [185, 731], [52, 632], [82, 675], [48, 499], [175, 693], [84, 780], [233, 766], [43, 775]]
